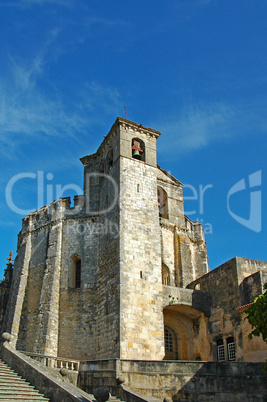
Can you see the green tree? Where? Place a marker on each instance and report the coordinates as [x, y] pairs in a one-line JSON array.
[[257, 316]]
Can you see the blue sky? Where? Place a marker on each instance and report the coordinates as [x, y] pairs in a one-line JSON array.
[[193, 69]]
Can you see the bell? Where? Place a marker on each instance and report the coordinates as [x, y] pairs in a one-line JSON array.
[[136, 154]]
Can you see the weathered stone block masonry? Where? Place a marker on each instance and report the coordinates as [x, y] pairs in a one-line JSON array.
[[123, 274]]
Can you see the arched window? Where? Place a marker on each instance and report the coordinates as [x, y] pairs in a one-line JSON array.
[[165, 275], [170, 340], [162, 203], [76, 272], [138, 149]]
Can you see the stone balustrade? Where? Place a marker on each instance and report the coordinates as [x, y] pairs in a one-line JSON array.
[[55, 362]]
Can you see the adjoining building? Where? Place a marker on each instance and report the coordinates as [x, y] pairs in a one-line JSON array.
[[123, 274]]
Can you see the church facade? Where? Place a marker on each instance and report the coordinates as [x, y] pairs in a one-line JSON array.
[[123, 273]]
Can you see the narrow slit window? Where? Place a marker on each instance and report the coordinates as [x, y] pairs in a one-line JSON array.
[[78, 274]]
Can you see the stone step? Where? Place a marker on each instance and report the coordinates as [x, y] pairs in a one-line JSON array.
[[12, 380], [8, 397], [15, 379], [16, 384], [10, 375], [14, 388], [17, 388], [4, 370], [28, 396]]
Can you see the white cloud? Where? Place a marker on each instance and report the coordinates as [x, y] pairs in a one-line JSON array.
[[196, 127], [104, 98], [60, 2], [26, 111], [31, 3]]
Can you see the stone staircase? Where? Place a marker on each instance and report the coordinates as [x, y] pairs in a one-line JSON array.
[[14, 388]]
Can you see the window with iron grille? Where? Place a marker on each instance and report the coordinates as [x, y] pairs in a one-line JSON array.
[[220, 351], [168, 340], [231, 348], [231, 351], [221, 355]]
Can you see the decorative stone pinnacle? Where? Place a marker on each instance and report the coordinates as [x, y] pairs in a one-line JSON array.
[[10, 259]]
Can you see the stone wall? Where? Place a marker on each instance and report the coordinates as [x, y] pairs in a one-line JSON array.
[[174, 192], [252, 286], [183, 245], [231, 285], [77, 330], [141, 318], [198, 381], [5, 286], [246, 267]]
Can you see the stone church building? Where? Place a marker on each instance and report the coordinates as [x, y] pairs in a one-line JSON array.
[[123, 273]]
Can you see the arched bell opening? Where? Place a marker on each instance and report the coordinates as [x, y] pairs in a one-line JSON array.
[[138, 149]]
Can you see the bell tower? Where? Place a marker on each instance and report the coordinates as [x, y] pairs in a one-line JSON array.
[[140, 244], [120, 191], [123, 195]]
